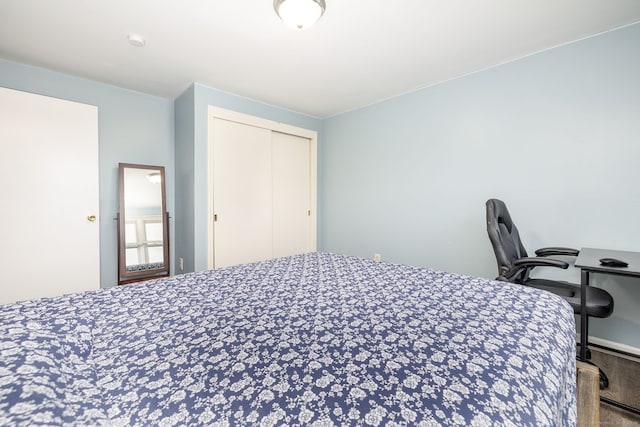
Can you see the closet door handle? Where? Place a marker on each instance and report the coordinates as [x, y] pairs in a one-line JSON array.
[[91, 218]]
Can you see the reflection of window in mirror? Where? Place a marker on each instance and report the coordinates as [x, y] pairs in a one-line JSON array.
[[153, 236], [143, 237]]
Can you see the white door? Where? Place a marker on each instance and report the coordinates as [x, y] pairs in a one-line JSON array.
[[242, 199], [291, 194], [49, 191], [262, 189]]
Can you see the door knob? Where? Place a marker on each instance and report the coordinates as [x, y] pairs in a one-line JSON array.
[[91, 218]]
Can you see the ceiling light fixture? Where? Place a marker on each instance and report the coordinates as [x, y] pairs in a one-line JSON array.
[[299, 14], [154, 178], [136, 40]]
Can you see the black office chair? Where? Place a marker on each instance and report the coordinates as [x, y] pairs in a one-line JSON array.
[[514, 265]]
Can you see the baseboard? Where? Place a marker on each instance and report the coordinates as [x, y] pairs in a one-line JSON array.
[[618, 349]]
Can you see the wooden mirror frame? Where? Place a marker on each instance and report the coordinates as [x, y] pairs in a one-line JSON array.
[[126, 275]]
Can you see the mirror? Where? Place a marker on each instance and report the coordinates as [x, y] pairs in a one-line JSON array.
[[143, 238]]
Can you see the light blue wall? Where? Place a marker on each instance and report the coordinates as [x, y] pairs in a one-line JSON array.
[[191, 116], [132, 127], [185, 228], [555, 135]]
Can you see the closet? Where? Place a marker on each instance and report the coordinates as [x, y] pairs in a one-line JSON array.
[[262, 180], [49, 195]]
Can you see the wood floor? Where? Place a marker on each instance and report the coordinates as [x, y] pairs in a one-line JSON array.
[[624, 386]]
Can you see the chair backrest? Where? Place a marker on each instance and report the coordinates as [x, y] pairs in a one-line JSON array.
[[504, 238]]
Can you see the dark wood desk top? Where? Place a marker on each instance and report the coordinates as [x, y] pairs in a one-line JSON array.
[[589, 260]]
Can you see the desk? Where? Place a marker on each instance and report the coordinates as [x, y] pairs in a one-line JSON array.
[[588, 262]]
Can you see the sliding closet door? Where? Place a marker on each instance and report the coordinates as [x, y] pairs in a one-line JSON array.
[[241, 193], [262, 189], [49, 195], [291, 194]]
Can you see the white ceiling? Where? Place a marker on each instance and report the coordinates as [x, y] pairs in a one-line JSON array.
[[360, 52]]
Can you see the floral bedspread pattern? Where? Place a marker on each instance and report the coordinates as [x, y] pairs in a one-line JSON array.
[[316, 339]]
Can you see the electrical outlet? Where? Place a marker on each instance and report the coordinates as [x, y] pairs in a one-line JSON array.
[[181, 264], [377, 257]]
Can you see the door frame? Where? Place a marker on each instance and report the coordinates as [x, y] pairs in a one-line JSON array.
[[234, 116]]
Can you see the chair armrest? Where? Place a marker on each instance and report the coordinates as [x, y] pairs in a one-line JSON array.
[[509, 275], [539, 262], [528, 263], [557, 251]]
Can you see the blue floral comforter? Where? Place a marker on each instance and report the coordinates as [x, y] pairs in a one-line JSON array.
[[317, 339]]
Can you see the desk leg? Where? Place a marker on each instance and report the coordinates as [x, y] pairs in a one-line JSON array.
[[584, 336]]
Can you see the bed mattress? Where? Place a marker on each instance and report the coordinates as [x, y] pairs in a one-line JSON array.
[[314, 339]]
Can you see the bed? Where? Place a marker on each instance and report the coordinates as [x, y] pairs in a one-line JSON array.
[[315, 339]]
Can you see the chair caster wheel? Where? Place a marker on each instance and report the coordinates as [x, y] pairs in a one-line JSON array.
[[604, 381], [587, 352]]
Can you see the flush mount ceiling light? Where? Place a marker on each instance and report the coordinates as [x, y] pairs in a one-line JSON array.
[[299, 14], [154, 178], [136, 40]]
